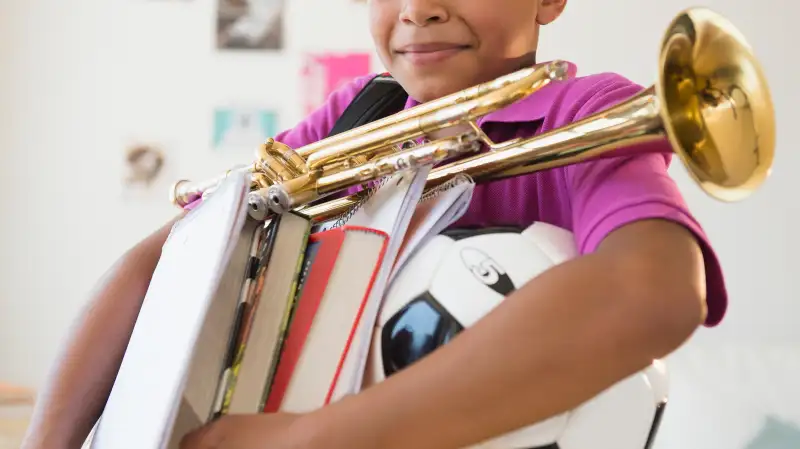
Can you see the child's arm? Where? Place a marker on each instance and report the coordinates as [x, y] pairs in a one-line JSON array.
[[75, 394], [564, 337], [647, 279]]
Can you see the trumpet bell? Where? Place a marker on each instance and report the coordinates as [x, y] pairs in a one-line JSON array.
[[717, 110]]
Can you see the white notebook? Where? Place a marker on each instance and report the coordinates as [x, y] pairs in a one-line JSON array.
[[410, 218], [437, 210], [144, 400], [389, 210]]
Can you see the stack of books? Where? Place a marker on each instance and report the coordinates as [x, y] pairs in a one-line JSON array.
[[246, 316]]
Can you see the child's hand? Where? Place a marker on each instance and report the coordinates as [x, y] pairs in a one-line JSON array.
[[257, 431]]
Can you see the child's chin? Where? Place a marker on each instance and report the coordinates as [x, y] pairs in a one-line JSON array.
[[431, 86]]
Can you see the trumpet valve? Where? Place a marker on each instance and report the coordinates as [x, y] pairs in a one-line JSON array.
[[285, 196], [258, 205], [261, 180], [355, 161], [262, 152], [282, 159]]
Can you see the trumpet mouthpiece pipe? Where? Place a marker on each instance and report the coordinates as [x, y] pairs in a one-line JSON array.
[[460, 107], [281, 198], [184, 192]]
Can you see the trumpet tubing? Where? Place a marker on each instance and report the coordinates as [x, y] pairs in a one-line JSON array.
[[711, 103], [451, 110], [381, 136], [299, 191], [633, 122]]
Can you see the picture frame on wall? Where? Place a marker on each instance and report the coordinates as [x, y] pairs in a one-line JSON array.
[[250, 24], [242, 128], [323, 73]]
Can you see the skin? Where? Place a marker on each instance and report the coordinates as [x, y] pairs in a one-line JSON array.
[[435, 48], [72, 399], [640, 295]]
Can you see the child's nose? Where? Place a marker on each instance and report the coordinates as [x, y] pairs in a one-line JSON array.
[[423, 12]]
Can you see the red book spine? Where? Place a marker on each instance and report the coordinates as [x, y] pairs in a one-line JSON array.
[[357, 320], [313, 290]]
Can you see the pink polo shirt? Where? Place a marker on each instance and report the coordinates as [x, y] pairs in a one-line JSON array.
[[590, 199]]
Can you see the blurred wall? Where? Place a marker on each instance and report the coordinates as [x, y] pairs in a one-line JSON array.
[[82, 80]]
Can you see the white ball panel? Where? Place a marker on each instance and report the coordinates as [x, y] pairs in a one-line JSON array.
[[463, 293], [416, 277], [557, 243], [541, 434], [521, 255], [618, 418]]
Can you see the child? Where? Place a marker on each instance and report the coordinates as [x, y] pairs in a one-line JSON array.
[[646, 280]]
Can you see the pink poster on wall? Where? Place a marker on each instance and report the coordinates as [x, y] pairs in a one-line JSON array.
[[324, 73]]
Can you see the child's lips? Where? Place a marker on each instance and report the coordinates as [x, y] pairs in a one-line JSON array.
[[421, 54]]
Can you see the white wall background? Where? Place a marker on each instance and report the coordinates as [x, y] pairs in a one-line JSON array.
[[80, 80]]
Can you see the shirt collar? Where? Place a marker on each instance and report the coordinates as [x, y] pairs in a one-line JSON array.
[[533, 108]]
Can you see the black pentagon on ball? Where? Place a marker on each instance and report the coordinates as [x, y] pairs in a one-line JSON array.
[[423, 324], [415, 331], [463, 233]]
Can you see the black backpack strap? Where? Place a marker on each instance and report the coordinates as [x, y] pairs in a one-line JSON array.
[[381, 97]]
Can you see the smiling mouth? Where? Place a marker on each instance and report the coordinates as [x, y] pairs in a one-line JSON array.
[[431, 53]]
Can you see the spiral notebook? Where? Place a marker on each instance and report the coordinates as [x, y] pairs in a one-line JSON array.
[[437, 210]]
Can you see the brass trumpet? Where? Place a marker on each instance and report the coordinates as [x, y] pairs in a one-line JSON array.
[[711, 102]]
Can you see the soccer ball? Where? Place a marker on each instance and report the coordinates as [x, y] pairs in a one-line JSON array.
[[461, 275]]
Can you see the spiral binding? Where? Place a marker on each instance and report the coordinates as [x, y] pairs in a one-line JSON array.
[[438, 190], [366, 194], [363, 197]]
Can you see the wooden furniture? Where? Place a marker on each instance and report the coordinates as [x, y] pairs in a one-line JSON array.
[[16, 405]]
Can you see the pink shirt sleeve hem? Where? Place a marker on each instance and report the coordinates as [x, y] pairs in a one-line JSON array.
[[716, 293], [609, 193]]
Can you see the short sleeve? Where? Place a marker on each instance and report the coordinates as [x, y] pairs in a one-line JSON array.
[[606, 194], [317, 125]]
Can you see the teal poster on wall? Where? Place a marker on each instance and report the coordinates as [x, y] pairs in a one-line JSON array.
[[776, 434], [237, 129]]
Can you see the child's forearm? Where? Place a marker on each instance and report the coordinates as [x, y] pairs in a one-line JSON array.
[[561, 339], [82, 377]]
